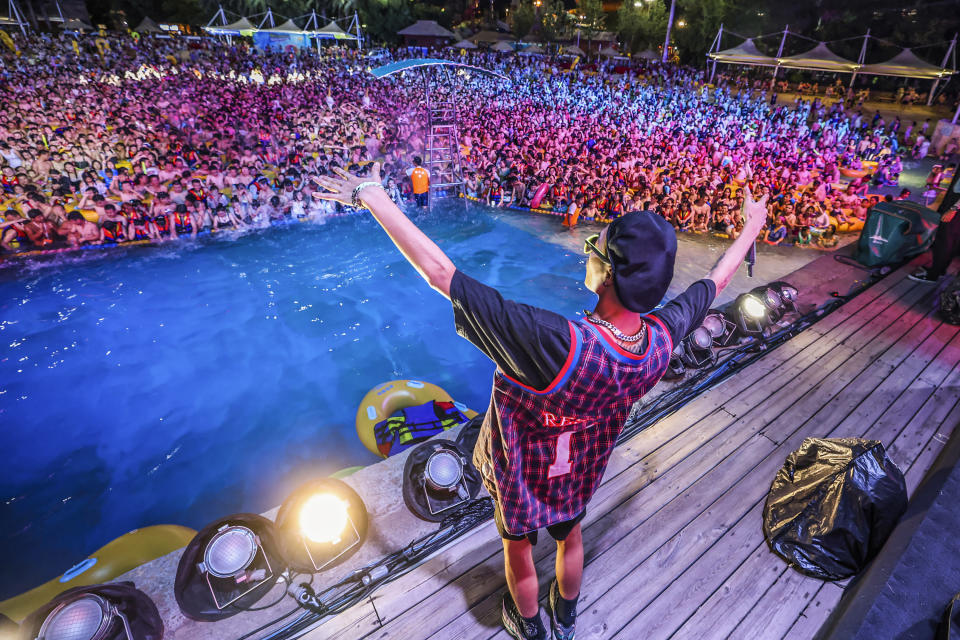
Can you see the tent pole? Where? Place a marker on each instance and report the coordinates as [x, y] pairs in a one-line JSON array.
[[783, 41], [356, 21], [716, 43], [863, 56], [666, 41], [14, 11], [943, 65], [62, 21]]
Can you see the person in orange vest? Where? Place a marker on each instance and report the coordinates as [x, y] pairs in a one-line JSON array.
[[420, 177]]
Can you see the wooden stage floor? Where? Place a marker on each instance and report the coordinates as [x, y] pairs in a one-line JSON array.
[[673, 539]]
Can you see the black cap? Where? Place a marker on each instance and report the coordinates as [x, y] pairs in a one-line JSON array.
[[642, 247]]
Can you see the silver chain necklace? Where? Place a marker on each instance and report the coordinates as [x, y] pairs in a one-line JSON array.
[[619, 335]]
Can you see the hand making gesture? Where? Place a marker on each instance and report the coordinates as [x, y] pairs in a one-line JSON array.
[[346, 189], [753, 211]]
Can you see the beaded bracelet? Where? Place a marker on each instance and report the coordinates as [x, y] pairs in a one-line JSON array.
[[355, 198]]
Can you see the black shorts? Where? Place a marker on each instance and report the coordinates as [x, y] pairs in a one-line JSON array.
[[558, 531], [421, 198]]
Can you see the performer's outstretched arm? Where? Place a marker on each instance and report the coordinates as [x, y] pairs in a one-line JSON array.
[[422, 252]]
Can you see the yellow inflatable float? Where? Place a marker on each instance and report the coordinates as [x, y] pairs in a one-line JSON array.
[[385, 399], [127, 552]]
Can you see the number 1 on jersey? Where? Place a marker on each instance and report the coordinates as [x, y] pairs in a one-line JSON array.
[[561, 458]]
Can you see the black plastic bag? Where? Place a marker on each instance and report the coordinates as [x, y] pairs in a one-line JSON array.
[[950, 301], [832, 506]]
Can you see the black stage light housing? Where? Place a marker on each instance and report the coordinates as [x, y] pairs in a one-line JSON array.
[[227, 567], [321, 524], [116, 611], [750, 313], [438, 477]]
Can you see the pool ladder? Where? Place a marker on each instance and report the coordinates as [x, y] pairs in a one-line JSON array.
[[443, 141]]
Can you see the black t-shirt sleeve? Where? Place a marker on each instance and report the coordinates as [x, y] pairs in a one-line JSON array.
[[528, 344], [686, 312]]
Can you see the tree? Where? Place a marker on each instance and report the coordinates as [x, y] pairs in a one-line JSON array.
[[640, 24], [523, 18], [594, 19], [554, 20]]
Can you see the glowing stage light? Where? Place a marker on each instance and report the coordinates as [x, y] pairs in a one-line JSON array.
[[323, 518], [321, 524]]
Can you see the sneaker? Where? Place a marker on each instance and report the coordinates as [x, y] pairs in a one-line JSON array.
[[519, 628], [560, 631], [921, 275]]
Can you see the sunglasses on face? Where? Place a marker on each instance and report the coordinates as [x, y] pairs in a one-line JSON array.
[[590, 246]]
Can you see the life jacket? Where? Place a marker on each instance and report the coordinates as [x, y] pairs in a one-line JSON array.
[[200, 195], [542, 453], [163, 223], [420, 178], [557, 191], [113, 231], [182, 222], [413, 425], [140, 232]]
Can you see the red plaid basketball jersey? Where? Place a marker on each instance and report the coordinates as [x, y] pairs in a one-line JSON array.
[[542, 453]]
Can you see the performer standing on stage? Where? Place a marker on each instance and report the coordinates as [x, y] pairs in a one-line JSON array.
[[563, 388]]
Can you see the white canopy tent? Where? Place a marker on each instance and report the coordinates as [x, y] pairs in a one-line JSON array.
[[745, 53], [574, 50], [648, 55], [532, 49], [490, 36], [820, 58], [463, 44], [905, 64], [287, 27], [240, 27], [148, 26], [427, 29]]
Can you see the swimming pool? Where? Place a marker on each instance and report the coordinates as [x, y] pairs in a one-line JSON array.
[[179, 383]]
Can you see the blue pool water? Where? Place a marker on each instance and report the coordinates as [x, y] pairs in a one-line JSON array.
[[180, 383]]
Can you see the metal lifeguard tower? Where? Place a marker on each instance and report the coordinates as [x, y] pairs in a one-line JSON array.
[[443, 130]]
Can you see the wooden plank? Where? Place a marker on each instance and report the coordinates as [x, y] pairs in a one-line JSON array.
[[776, 611], [926, 422], [729, 604], [925, 459], [815, 613], [662, 617]]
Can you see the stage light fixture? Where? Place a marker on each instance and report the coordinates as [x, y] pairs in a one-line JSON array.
[[115, 611], [321, 524], [227, 567], [750, 314], [789, 294], [86, 617], [438, 477], [324, 519], [234, 564]]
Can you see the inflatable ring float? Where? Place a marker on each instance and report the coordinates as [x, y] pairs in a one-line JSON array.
[[127, 552], [854, 173], [383, 400]]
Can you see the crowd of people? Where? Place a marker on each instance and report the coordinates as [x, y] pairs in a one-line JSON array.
[[121, 139]]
